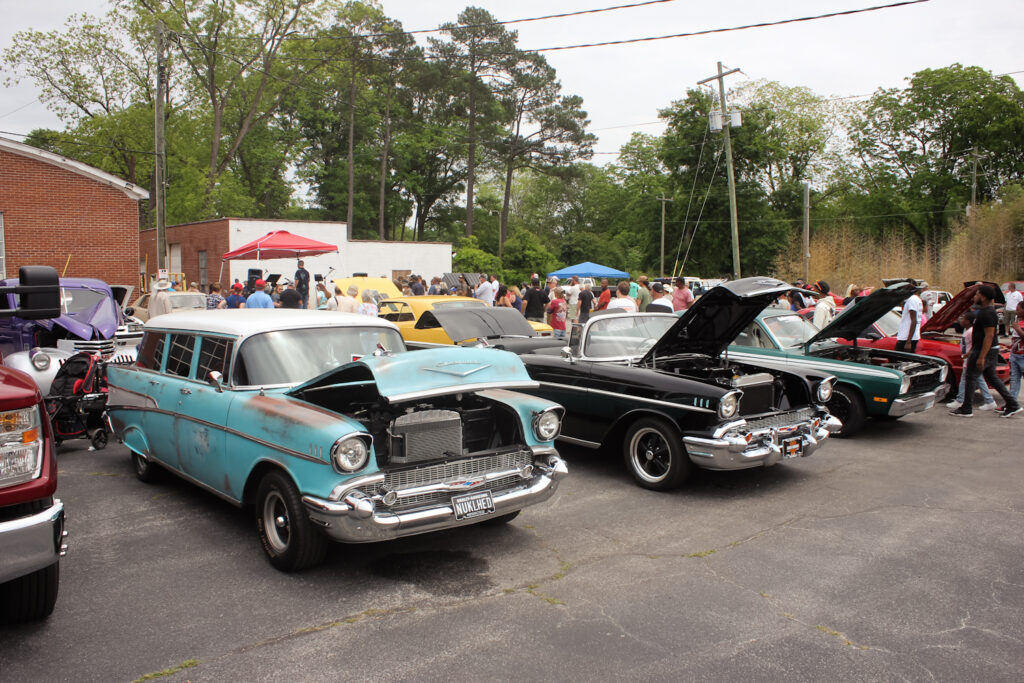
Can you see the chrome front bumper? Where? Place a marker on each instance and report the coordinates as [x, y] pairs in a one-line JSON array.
[[31, 543], [919, 403], [739, 449], [357, 518]]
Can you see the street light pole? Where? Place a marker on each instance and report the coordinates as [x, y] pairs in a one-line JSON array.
[[159, 198], [663, 199], [733, 220]]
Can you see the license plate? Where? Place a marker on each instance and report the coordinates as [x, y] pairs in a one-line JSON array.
[[473, 505], [792, 448]]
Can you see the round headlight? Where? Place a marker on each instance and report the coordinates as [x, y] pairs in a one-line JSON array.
[[905, 384], [40, 359], [546, 425], [824, 391], [729, 405], [350, 453]]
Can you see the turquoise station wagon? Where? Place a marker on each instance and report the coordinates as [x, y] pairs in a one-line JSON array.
[[323, 425]]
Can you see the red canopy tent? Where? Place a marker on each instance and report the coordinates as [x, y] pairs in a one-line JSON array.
[[278, 244]]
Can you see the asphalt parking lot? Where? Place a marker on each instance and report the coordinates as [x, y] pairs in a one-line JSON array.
[[898, 555]]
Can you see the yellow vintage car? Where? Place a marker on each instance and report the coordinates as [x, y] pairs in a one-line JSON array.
[[381, 285], [406, 312]]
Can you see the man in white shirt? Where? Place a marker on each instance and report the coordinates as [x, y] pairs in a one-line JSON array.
[[344, 304], [622, 298], [909, 331], [572, 297], [1013, 299], [660, 301], [483, 291]]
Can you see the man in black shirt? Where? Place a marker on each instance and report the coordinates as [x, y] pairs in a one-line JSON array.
[[302, 283], [586, 303], [534, 301], [984, 355], [290, 297]]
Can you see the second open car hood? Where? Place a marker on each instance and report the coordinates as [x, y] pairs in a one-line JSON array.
[[861, 314], [715, 319], [957, 306], [476, 322]]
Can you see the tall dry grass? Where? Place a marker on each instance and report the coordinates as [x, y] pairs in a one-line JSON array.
[[988, 246]]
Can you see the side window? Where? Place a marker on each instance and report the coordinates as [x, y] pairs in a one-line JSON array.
[[179, 354], [214, 355], [151, 351]]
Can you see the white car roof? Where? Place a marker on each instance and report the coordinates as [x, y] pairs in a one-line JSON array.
[[248, 321]]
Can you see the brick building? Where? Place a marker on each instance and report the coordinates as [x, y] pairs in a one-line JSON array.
[[58, 212], [194, 251]]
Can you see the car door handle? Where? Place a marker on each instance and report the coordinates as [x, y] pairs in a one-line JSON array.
[[153, 381], [186, 390]]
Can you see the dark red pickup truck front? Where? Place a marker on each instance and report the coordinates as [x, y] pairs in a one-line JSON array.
[[31, 519]]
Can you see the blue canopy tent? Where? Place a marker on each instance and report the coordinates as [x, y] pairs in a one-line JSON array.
[[588, 269]]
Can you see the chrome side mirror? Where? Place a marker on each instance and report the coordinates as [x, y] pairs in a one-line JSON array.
[[215, 380]]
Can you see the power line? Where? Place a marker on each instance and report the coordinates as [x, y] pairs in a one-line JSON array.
[[732, 28], [15, 111]]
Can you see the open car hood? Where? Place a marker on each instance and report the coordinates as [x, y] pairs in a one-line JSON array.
[[432, 372], [717, 318], [474, 322], [865, 310], [957, 306]]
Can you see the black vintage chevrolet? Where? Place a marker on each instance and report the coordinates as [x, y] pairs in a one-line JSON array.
[[662, 387]]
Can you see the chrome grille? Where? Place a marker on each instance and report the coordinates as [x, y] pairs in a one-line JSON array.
[[104, 347], [443, 497], [924, 381], [780, 419]]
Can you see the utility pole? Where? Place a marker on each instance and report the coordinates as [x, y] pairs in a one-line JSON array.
[[159, 165], [663, 199], [807, 232], [720, 77], [974, 179]]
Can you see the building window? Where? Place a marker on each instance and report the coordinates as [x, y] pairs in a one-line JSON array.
[[203, 274], [3, 250]]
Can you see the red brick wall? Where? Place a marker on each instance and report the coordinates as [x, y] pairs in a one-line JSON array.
[[51, 214], [209, 236]]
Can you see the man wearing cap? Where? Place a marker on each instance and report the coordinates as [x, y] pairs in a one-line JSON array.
[[161, 302], [909, 331], [259, 298], [235, 299], [659, 302], [290, 297]]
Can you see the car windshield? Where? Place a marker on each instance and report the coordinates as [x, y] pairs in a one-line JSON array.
[[459, 304], [294, 356], [790, 330], [76, 302], [889, 324], [188, 301], [625, 336]]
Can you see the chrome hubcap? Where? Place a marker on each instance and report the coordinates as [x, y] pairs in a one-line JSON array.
[[275, 522], [650, 455]]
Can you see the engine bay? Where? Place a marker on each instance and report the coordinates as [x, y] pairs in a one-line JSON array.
[[440, 428], [869, 356], [763, 390]]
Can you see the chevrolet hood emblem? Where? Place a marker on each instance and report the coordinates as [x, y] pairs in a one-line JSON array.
[[458, 369]]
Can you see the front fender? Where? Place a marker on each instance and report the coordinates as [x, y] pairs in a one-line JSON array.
[[43, 378]]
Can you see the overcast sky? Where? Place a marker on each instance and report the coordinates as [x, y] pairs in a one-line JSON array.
[[624, 86]]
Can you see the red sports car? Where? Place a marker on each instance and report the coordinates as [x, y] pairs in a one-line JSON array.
[[935, 337]]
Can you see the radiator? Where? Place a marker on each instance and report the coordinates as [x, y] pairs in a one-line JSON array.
[[425, 435]]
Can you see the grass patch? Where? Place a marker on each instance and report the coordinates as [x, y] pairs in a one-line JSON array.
[[170, 671], [703, 553]]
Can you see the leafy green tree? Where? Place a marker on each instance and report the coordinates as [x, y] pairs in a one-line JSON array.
[[470, 258], [481, 52], [919, 141], [546, 130]]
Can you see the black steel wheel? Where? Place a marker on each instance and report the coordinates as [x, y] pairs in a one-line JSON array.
[[146, 470], [848, 406], [290, 540], [30, 597], [100, 439], [654, 453]]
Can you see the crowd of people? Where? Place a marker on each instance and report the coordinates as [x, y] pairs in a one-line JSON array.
[[562, 305]]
